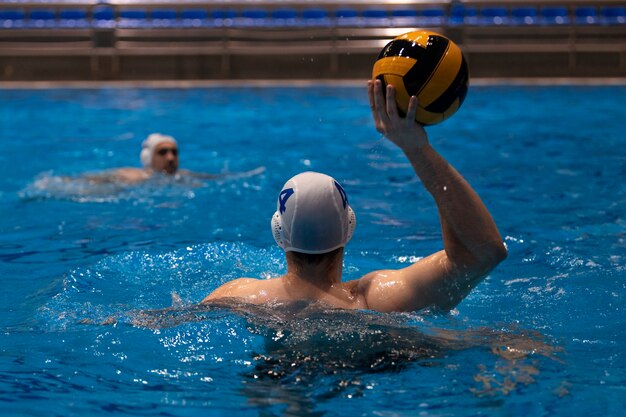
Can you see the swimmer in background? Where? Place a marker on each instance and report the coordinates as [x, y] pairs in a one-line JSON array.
[[314, 222], [159, 154]]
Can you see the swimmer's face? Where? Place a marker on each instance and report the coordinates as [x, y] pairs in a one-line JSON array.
[[165, 158]]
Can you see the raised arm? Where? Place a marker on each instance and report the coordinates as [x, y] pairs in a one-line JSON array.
[[472, 243]]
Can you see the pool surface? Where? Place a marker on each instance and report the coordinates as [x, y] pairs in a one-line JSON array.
[[84, 268]]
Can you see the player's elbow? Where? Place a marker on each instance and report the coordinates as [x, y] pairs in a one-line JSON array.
[[492, 254], [480, 261], [499, 252]]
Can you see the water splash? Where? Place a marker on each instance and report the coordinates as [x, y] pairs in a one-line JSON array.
[[103, 187], [137, 280], [308, 350], [82, 189]]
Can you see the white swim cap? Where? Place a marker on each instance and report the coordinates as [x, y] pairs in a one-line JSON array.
[[148, 146], [313, 215]]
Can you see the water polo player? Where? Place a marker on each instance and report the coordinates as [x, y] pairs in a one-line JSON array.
[[314, 222], [159, 157], [159, 153]]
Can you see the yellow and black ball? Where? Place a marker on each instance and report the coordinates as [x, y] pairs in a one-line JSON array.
[[427, 65]]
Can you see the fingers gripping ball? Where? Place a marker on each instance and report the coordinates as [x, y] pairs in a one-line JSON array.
[[427, 65]]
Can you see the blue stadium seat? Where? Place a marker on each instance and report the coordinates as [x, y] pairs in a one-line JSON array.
[[284, 14], [403, 17], [195, 18], [494, 16], [432, 17], [375, 13], [103, 17], [555, 15], [284, 17], [613, 15], [164, 18], [41, 18], [255, 14], [253, 17], [224, 17], [346, 13], [73, 18], [223, 14], [375, 17], [315, 17], [346, 17], [404, 13], [524, 16], [12, 18], [136, 14], [586, 16], [457, 14], [462, 15], [133, 19]]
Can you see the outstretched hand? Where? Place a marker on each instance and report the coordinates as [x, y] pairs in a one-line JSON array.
[[405, 132]]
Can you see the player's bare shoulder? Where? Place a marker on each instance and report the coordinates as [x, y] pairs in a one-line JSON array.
[[130, 175], [252, 290], [231, 289]]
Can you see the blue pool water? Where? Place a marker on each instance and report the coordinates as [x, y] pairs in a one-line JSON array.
[[542, 335]]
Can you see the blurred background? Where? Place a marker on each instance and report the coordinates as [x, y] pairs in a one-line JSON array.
[[62, 40]]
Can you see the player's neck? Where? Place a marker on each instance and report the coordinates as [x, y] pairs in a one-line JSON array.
[[320, 276]]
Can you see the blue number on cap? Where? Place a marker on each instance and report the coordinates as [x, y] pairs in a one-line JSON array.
[[344, 197], [283, 197]]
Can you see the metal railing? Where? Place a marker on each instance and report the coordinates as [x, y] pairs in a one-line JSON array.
[[336, 38]]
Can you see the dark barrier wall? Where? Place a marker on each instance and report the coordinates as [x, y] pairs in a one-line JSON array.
[[84, 40]]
